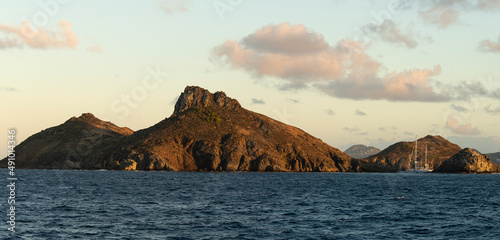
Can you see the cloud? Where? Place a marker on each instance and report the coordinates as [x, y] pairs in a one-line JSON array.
[[488, 5], [302, 58], [258, 101], [441, 16], [26, 35], [444, 13], [293, 100], [389, 32], [489, 46], [457, 128], [359, 113], [286, 39], [483, 144], [492, 111], [8, 89], [95, 48], [382, 129], [174, 6], [408, 133], [351, 130], [330, 112], [459, 108], [495, 93]]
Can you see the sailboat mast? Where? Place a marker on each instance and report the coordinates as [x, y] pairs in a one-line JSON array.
[[425, 160], [416, 145]]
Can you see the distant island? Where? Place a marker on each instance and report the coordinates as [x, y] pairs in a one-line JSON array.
[[361, 151], [212, 132]]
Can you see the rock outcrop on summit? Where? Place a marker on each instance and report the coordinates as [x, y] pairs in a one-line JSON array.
[[212, 132], [206, 132], [468, 161]]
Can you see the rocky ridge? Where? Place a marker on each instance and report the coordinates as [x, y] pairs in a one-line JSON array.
[[398, 154], [468, 161], [206, 132], [69, 145]]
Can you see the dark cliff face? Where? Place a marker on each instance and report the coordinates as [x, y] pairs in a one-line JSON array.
[[468, 161], [206, 132], [398, 154], [361, 151], [68, 145]]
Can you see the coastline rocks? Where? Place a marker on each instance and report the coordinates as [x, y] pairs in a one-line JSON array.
[[468, 161]]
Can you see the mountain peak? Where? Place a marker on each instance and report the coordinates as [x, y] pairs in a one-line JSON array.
[[197, 97], [90, 119]]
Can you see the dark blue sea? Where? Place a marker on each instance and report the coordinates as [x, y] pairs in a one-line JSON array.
[[57, 204]]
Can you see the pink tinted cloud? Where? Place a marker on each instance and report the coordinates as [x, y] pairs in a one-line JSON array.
[[287, 39], [303, 58], [464, 129], [26, 35], [174, 6], [489, 46], [441, 16]]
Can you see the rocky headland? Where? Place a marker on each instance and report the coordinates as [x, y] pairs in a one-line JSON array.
[[398, 155], [213, 132], [206, 132], [468, 161]]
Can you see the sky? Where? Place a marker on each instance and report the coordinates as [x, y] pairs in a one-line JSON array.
[[347, 72]]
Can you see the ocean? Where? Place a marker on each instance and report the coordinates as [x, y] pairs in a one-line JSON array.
[[65, 204]]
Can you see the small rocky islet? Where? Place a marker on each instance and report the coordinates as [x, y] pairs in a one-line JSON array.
[[213, 132]]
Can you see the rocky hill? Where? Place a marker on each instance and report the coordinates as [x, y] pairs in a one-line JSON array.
[[494, 157], [361, 151], [468, 161], [69, 145], [206, 132], [212, 132], [398, 154]]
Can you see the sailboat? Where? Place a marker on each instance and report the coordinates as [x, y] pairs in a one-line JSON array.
[[415, 165]]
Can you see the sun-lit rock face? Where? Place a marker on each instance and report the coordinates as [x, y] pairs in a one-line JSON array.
[[468, 161]]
